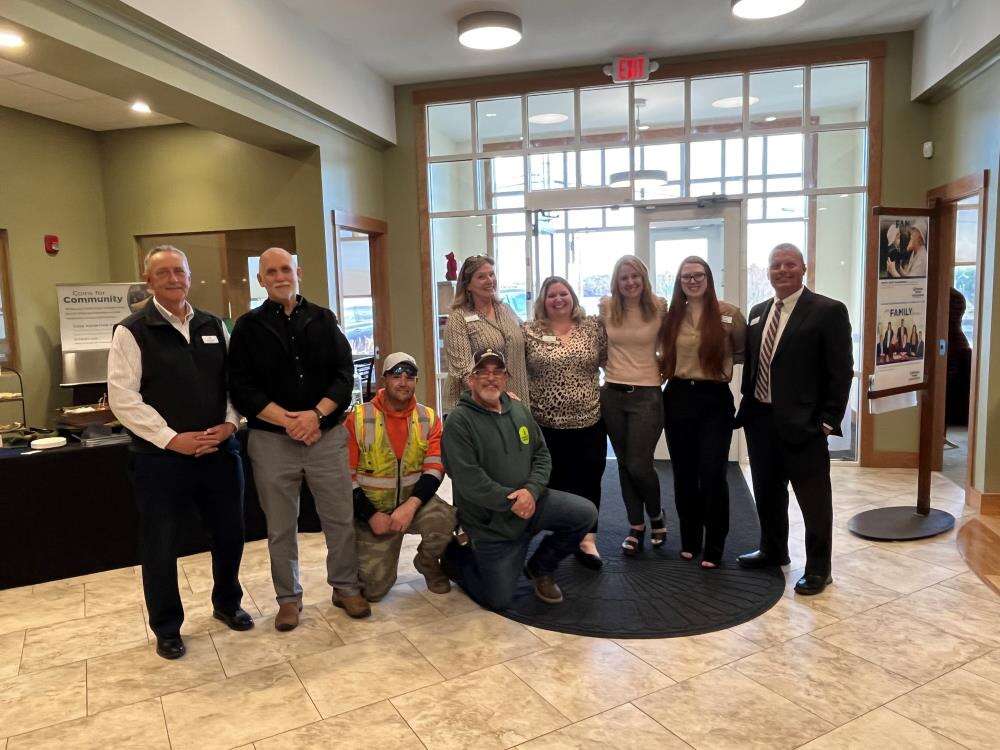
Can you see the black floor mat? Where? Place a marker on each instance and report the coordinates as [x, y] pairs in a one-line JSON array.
[[656, 594]]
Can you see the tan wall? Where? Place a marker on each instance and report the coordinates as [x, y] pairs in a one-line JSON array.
[[50, 183], [966, 131]]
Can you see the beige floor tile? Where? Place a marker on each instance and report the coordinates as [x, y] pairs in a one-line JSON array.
[[881, 729], [824, 679], [986, 666], [970, 583], [944, 554], [584, 679], [312, 578], [622, 728], [890, 570], [37, 700], [784, 621], [351, 676], [683, 658], [104, 575], [904, 645], [10, 653], [962, 615], [112, 595], [82, 639], [846, 596], [465, 643], [23, 608], [401, 608], [455, 602], [233, 712], [264, 646], [475, 710], [136, 727], [960, 705], [378, 725], [138, 674], [555, 638], [724, 709], [198, 617]]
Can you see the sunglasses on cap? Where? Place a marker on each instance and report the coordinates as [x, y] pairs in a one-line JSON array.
[[403, 368]]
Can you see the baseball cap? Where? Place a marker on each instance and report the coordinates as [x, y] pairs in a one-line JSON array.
[[401, 361], [484, 356]]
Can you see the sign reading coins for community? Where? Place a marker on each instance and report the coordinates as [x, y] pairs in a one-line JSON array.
[[89, 312], [901, 334]]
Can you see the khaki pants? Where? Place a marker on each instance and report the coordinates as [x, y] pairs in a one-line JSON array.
[[378, 556]]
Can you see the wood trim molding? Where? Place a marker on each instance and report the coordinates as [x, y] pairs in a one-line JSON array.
[[988, 503], [6, 289], [960, 188], [358, 223], [426, 275], [378, 259], [893, 460]]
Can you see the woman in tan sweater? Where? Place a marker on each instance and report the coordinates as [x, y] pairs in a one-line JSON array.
[[631, 398]]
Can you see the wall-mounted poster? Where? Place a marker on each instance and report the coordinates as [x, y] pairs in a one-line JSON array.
[[88, 312], [900, 336]]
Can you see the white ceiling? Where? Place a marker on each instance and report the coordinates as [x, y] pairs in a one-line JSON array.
[[47, 96], [409, 41]]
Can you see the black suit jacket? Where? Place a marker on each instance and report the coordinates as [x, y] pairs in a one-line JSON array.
[[812, 368]]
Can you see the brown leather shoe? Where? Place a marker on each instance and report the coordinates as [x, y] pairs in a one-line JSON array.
[[546, 587], [437, 581], [354, 605], [287, 617]]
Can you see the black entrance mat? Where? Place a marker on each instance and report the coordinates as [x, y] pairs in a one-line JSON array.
[[656, 594]]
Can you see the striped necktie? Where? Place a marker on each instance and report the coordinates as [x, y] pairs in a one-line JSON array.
[[762, 390]]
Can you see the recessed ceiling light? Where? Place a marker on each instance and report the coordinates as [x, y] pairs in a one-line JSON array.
[[764, 8], [491, 114], [796, 85], [821, 208], [644, 178], [141, 107], [770, 118], [732, 102], [491, 29], [11, 39], [548, 118], [642, 127]]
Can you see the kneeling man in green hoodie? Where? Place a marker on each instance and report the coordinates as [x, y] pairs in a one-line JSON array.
[[499, 466]]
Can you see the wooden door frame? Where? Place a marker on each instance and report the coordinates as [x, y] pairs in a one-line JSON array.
[[378, 259], [6, 289], [947, 196]]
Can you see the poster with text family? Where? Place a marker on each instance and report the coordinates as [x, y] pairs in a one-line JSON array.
[[900, 335]]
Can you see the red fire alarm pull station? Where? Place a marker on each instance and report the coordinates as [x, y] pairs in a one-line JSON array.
[[51, 244], [631, 68]]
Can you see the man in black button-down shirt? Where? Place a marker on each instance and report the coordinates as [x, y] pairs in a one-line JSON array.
[[291, 373]]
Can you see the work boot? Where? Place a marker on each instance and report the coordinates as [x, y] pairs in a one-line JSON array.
[[546, 587], [287, 617], [354, 605], [437, 581]]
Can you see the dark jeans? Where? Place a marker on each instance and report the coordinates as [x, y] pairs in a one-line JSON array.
[[774, 462], [578, 460], [698, 417], [490, 571], [169, 489], [634, 420]]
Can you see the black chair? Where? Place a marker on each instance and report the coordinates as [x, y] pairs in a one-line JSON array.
[[365, 368]]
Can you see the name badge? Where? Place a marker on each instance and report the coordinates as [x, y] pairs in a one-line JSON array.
[[210, 339], [550, 339], [755, 321], [471, 318], [727, 319]]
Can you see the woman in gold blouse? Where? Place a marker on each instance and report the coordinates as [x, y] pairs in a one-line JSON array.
[[479, 320], [700, 341], [565, 348]]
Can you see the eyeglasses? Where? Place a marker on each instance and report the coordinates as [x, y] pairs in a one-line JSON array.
[[693, 278], [487, 374]]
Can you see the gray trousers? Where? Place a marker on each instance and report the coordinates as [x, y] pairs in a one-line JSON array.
[[279, 466]]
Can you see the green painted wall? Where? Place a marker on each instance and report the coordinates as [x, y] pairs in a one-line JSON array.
[[50, 183]]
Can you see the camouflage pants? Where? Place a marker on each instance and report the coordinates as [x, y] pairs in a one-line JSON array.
[[378, 556]]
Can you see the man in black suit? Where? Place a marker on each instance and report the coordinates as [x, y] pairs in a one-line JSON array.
[[796, 383]]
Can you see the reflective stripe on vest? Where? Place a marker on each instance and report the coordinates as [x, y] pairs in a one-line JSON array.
[[384, 477]]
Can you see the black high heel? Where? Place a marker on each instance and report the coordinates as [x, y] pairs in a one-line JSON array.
[[633, 542]]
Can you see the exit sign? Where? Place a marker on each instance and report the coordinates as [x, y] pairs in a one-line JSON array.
[[630, 68]]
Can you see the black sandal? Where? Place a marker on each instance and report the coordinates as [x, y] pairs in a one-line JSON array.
[[657, 534], [633, 542]]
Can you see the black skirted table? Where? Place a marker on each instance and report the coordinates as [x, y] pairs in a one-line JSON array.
[[69, 511]]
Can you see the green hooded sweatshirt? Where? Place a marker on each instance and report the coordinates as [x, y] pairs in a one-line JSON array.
[[489, 455]]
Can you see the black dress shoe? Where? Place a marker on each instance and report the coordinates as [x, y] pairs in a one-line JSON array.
[[812, 584], [588, 560], [758, 559], [170, 647], [238, 620]]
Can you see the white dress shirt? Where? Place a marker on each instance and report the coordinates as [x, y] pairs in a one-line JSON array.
[[788, 304], [125, 375]]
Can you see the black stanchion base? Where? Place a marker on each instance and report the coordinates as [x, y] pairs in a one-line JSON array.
[[900, 524]]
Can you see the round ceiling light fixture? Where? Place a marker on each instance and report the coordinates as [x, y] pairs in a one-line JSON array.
[[489, 29], [732, 102], [10, 39], [644, 178], [141, 107], [548, 118], [755, 9]]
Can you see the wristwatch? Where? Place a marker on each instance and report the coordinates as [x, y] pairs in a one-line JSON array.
[[319, 414]]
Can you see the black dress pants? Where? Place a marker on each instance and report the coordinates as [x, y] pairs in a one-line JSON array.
[[578, 460], [698, 419], [170, 489], [774, 462]]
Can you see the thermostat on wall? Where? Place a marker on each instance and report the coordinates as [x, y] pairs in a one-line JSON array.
[[928, 149]]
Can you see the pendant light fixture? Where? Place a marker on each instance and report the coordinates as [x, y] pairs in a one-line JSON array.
[[490, 29]]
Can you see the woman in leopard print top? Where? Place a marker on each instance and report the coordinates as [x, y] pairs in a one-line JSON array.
[[564, 349]]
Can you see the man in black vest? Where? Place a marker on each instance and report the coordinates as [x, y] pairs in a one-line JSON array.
[[167, 385], [796, 383]]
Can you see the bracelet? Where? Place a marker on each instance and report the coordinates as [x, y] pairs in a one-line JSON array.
[[319, 414]]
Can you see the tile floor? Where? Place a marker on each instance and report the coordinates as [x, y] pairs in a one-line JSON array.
[[902, 651]]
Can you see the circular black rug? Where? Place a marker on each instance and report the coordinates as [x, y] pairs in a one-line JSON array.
[[656, 594]]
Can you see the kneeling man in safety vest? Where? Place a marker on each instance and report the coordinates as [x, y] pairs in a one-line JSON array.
[[394, 448]]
